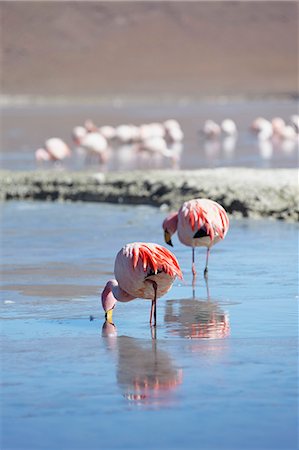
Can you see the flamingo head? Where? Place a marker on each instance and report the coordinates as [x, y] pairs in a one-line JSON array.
[[170, 226], [108, 299], [41, 154]]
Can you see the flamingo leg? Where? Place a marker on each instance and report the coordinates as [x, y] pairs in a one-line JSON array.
[[207, 260], [154, 304], [193, 266]]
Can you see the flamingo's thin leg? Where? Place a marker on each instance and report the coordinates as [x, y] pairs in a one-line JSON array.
[[193, 266], [207, 260], [154, 304]]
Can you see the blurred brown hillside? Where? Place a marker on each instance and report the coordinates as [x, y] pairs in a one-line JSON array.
[[149, 48]]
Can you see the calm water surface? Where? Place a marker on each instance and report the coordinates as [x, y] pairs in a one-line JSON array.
[[221, 373]]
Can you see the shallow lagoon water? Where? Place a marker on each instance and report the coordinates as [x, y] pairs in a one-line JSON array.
[[221, 373], [25, 128]]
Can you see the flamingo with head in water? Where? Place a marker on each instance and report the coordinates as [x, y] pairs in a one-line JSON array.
[[199, 222], [54, 149], [142, 270]]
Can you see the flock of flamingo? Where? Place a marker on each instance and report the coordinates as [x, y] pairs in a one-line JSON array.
[[97, 142], [264, 129], [269, 135], [164, 139], [148, 270]]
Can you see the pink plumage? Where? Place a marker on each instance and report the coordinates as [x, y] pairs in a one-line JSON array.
[[199, 222], [54, 149], [142, 270]]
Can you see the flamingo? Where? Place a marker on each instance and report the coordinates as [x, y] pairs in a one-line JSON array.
[[93, 142], [155, 145], [229, 127], [127, 133], [288, 133], [142, 270], [278, 124], [108, 132], [151, 131], [54, 149], [199, 222], [173, 131], [211, 129], [262, 128]]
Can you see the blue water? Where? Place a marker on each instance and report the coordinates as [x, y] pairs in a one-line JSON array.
[[221, 373]]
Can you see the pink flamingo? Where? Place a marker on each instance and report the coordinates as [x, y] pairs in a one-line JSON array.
[[142, 270], [92, 142], [200, 223], [54, 149]]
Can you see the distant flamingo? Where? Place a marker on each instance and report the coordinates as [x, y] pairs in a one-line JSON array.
[[54, 149], [127, 133], [199, 222], [155, 145], [151, 130], [108, 132], [229, 127], [211, 129], [93, 142], [142, 270], [278, 124], [173, 131], [262, 128]]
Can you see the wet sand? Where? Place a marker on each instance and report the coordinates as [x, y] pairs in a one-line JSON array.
[[242, 192]]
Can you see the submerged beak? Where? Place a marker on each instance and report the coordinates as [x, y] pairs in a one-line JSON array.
[[108, 315], [167, 238]]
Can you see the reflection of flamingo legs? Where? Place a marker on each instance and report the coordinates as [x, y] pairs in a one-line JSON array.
[[154, 333], [193, 291], [207, 287], [208, 290]]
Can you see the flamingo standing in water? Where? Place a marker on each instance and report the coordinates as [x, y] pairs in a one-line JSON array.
[[199, 222], [54, 149], [142, 270], [92, 142]]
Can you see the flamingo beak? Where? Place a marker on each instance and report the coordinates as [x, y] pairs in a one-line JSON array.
[[167, 238], [108, 315]]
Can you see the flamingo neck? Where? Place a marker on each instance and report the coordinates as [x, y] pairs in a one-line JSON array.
[[121, 295], [171, 223]]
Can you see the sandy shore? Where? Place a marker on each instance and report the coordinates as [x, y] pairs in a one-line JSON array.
[[242, 192]]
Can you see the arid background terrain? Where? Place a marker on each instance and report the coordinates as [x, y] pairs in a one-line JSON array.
[[104, 49]]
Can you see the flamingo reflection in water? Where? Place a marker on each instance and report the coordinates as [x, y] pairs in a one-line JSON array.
[[196, 319], [145, 373]]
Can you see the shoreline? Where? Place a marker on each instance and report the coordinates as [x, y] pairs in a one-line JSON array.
[[254, 193], [126, 100]]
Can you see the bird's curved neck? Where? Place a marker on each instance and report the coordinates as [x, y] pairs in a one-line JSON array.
[[172, 223], [120, 294]]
